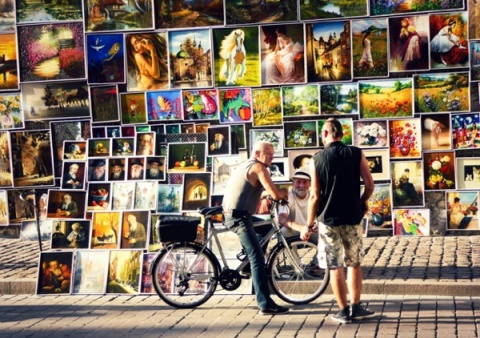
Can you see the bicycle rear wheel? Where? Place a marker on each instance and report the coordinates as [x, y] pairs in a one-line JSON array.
[[183, 276], [293, 285]]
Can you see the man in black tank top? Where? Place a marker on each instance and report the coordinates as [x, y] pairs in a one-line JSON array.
[[337, 208]]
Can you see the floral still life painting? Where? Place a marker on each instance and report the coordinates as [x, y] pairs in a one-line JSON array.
[[439, 170], [379, 211], [405, 139], [11, 113], [370, 134]]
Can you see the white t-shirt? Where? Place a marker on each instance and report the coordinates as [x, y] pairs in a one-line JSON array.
[[298, 208]]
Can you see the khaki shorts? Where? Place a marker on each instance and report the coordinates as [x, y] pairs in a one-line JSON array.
[[340, 245]]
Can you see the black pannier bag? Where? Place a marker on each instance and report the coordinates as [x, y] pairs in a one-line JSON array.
[[178, 228]]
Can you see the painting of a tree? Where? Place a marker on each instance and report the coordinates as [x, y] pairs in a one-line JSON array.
[[267, 107]]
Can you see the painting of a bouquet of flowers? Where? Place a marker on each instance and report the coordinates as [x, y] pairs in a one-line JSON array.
[[11, 113], [379, 211], [370, 134], [439, 171], [405, 138]]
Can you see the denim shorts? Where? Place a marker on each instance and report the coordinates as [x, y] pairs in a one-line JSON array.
[[340, 245]]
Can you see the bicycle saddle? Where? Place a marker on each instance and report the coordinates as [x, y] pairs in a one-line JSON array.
[[210, 210]]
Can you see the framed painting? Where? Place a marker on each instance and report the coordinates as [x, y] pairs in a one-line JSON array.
[[7, 12], [172, 128], [104, 104], [279, 170], [385, 98], [170, 197], [145, 195], [379, 213], [200, 104], [73, 176], [55, 100], [173, 15], [55, 273], [105, 230], [218, 140], [473, 23], [408, 43], [190, 65], [135, 168], [282, 54], [116, 169], [90, 272], [300, 101], [134, 229], [154, 244], [32, 160], [468, 173], [236, 56], [124, 267], [99, 132], [411, 222], [29, 230], [187, 158], [239, 136], [128, 131], [52, 52], [379, 163], [99, 147], [408, 184], [97, 171], [105, 58], [448, 40], [8, 50], [28, 13], [299, 158], [118, 16], [145, 143], [123, 194], [99, 197], [370, 134], [133, 108], [300, 134], [310, 10], [4, 218], [66, 204], [196, 191], [164, 105], [187, 128], [462, 210], [123, 146], [263, 11], [439, 170], [339, 99], [222, 168], [113, 132], [442, 92], [370, 41], [201, 128], [156, 168], [323, 63], [435, 131], [274, 136], [267, 107], [465, 131], [405, 138], [74, 150], [380, 8], [347, 128], [70, 234], [235, 105], [11, 112], [6, 178], [475, 61], [147, 61], [146, 284]]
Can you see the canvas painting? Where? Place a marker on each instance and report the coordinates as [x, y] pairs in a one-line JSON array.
[[4, 218], [91, 270], [436, 131], [241, 12], [29, 230], [274, 136], [104, 104], [28, 12], [6, 179], [124, 272], [73, 176], [145, 195], [378, 161], [51, 52], [370, 134], [299, 158], [190, 58], [171, 14], [55, 273], [7, 10], [200, 104], [465, 131], [218, 141], [196, 191], [170, 198], [154, 244], [475, 61], [379, 213], [324, 63], [146, 284], [370, 41], [301, 134], [473, 23], [384, 8], [66, 204], [439, 170], [468, 173], [155, 168], [235, 105], [105, 230], [133, 108], [282, 54], [164, 105], [134, 229], [267, 107], [8, 50], [105, 58], [123, 146], [409, 43], [99, 196], [339, 99], [236, 57], [385, 98], [405, 138], [187, 158], [279, 170], [74, 150], [299, 101], [462, 210], [70, 234], [11, 112], [222, 169], [238, 131], [311, 10], [411, 222], [99, 147], [123, 194], [408, 183]]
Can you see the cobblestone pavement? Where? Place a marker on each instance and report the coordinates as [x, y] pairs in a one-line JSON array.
[[233, 316]]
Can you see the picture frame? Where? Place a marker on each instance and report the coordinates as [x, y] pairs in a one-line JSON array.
[[439, 170], [27, 13], [6, 170], [191, 153], [134, 229], [99, 196], [236, 56], [113, 132], [54, 263], [379, 213], [436, 131], [105, 58], [11, 117], [4, 217], [383, 99], [170, 197], [300, 101], [39, 42], [105, 230], [135, 168], [416, 6], [172, 128], [59, 207], [156, 168], [125, 263], [268, 11], [187, 128], [164, 105], [311, 11], [222, 169], [146, 195], [300, 134], [238, 131], [378, 161], [279, 170], [266, 103], [300, 158], [22, 209], [133, 108], [235, 105], [116, 169], [29, 230], [274, 136], [462, 207], [200, 104], [70, 235], [411, 222], [145, 143], [146, 284], [99, 147], [123, 147], [405, 138], [97, 171], [464, 130], [219, 141], [196, 75], [73, 175], [74, 150], [467, 173], [407, 184], [174, 17], [104, 103], [8, 48], [339, 99], [370, 134], [123, 195], [8, 12], [201, 128], [90, 273], [154, 244], [196, 191]]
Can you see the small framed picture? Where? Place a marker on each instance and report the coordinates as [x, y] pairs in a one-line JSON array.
[[11, 116], [300, 101], [339, 99], [135, 168], [436, 131], [439, 170], [379, 213], [104, 104], [66, 204], [347, 127], [116, 169], [123, 146], [146, 285], [145, 195], [405, 138], [170, 198], [133, 108], [379, 163], [187, 128], [218, 140], [74, 150], [300, 158], [196, 191], [267, 103], [468, 173], [187, 157], [300, 134], [55, 273], [96, 19], [235, 105], [279, 170], [222, 168], [70, 234], [156, 168], [145, 144], [274, 136], [134, 229], [370, 134], [462, 210], [123, 194], [99, 147], [105, 230], [164, 105], [91, 271], [73, 175], [411, 222], [99, 196], [105, 58], [465, 131], [407, 183], [113, 132], [200, 104], [124, 263]]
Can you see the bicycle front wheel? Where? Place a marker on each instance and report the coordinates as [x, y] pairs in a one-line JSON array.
[[295, 274], [184, 276]]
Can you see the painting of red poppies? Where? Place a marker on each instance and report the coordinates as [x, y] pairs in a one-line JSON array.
[[51, 52]]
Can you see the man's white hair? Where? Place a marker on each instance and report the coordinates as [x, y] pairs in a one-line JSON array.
[[259, 146]]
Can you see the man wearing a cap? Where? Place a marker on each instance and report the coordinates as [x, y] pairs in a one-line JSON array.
[[154, 172], [97, 170], [118, 174]]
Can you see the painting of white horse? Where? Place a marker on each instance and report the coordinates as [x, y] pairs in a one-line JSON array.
[[234, 55]]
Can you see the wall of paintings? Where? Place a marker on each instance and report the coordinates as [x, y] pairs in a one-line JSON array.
[[115, 112]]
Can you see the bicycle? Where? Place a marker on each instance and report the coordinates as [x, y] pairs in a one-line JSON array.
[[186, 273]]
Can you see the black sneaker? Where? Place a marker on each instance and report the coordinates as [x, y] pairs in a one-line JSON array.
[[342, 316], [360, 312], [277, 310]]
